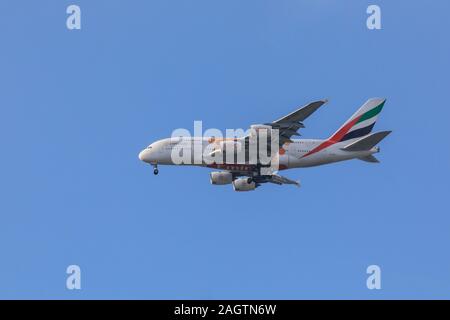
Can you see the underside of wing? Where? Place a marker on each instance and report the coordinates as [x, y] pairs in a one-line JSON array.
[[276, 179]]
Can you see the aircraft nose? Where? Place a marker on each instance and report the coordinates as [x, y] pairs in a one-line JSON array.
[[143, 155]]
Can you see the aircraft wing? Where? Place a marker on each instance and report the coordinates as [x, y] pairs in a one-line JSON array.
[[289, 124], [274, 178], [277, 179]]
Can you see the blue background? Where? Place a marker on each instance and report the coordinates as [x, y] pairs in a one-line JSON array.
[[77, 107]]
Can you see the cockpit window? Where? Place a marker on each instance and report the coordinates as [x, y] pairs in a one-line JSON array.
[[149, 147]]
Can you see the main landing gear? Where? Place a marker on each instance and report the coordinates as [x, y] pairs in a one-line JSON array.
[[155, 169]]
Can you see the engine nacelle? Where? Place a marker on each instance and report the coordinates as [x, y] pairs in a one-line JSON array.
[[242, 184], [219, 177]]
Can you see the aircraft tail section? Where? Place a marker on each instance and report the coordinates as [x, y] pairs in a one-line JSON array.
[[356, 130], [362, 121]]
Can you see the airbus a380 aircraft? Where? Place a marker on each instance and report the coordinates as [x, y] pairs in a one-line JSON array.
[[353, 140]]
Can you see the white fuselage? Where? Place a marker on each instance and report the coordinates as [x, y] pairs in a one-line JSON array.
[[296, 154]]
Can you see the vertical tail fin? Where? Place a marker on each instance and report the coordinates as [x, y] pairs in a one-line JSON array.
[[362, 121]]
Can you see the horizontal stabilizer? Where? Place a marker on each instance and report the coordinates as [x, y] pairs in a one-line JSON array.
[[367, 142], [369, 158]]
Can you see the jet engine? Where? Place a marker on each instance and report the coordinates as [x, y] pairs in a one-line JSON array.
[[219, 177], [244, 184]]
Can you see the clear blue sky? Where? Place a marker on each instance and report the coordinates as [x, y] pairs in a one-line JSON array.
[[78, 106]]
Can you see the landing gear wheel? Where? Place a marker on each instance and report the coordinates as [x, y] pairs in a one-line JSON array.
[[155, 171]]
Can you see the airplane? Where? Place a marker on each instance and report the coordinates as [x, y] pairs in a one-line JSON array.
[[353, 140]]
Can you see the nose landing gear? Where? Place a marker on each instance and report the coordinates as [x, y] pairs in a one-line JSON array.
[[155, 170]]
